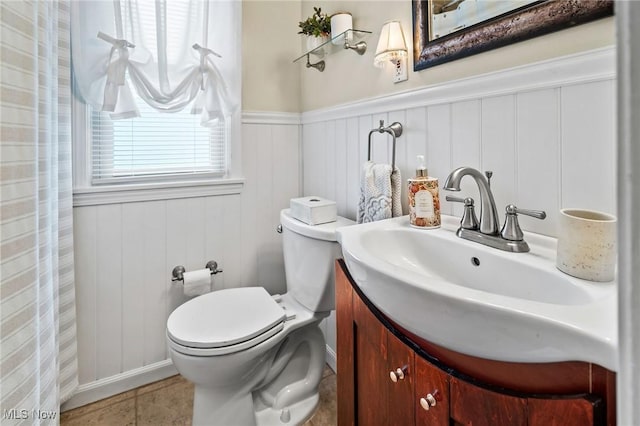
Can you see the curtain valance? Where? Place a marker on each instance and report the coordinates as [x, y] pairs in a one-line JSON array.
[[165, 48]]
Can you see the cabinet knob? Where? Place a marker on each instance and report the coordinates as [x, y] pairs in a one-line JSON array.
[[398, 374], [429, 401]]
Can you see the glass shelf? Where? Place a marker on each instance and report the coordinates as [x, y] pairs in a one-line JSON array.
[[336, 43]]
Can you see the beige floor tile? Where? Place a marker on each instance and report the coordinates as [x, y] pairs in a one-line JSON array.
[[169, 405], [327, 371], [170, 381], [119, 414], [70, 415]]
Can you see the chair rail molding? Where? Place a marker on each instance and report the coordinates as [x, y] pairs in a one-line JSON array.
[[584, 67], [271, 117]]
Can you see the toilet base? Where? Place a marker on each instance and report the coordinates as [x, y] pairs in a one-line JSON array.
[[237, 410], [295, 414]]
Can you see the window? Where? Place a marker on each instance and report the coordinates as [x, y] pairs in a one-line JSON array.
[[155, 146], [169, 55]]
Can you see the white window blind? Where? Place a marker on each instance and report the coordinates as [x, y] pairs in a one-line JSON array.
[[155, 146]]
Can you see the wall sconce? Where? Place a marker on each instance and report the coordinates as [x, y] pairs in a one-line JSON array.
[[392, 48]]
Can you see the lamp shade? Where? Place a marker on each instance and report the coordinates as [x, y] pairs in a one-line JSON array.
[[391, 45]]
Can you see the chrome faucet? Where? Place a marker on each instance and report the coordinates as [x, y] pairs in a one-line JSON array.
[[485, 231], [488, 212]]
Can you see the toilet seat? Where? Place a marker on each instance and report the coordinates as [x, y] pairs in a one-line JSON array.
[[225, 321]]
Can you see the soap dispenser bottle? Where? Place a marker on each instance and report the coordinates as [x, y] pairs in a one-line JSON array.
[[424, 198]]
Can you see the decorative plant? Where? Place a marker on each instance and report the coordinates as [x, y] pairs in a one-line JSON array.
[[318, 24]]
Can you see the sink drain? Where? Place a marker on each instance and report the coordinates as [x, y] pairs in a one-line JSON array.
[[475, 261]]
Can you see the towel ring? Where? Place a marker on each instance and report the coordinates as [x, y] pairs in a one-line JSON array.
[[395, 130]]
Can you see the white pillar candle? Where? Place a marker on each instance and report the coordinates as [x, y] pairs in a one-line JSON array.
[[341, 22]]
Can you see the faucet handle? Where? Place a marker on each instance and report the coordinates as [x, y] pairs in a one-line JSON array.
[[469, 219], [456, 199], [538, 214], [511, 230]]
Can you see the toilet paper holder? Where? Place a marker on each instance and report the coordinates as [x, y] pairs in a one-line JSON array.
[[178, 272]]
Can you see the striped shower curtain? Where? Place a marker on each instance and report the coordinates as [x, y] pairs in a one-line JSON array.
[[38, 367]]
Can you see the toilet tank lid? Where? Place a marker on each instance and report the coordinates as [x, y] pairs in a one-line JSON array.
[[224, 317], [325, 231]]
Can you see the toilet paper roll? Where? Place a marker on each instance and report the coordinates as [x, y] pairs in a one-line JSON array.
[[197, 282]]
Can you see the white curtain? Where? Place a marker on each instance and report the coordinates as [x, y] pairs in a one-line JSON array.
[[165, 48], [38, 365]]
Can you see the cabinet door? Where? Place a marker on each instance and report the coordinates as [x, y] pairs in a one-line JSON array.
[[372, 375], [431, 384], [579, 411], [346, 349], [401, 381], [472, 405]]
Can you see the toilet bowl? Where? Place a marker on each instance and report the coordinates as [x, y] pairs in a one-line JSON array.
[[257, 359]]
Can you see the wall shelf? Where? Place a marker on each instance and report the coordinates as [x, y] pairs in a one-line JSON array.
[[349, 39]]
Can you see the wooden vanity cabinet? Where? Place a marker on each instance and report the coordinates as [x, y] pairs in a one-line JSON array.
[[371, 350]]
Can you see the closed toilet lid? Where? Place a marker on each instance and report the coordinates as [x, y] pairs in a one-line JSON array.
[[225, 317]]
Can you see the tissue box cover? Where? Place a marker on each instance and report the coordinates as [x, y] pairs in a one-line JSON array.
[[313, 210]]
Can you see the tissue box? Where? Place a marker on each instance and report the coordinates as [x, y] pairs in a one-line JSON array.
[[313, 210]]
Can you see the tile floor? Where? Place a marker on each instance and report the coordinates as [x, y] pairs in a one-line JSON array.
[[169, 402]]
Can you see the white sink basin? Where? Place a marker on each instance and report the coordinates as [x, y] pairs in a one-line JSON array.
[[479, 300]]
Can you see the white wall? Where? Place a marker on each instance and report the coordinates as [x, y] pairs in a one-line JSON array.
[[546, 130], [125, 253]]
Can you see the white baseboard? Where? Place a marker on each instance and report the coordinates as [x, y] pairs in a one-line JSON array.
[[332, 361], [104, 388]]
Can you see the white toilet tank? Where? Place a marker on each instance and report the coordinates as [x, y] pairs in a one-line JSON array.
[[309, 255]]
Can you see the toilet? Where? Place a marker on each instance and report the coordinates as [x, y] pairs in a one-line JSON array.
[[257, 359]]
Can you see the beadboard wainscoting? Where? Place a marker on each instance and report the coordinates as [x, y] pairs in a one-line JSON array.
[[125, 252], [546, 130]]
